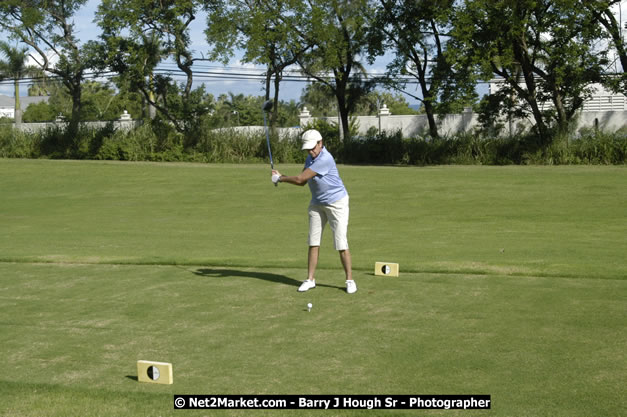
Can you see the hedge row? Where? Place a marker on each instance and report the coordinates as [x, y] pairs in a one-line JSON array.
[[156, 143]]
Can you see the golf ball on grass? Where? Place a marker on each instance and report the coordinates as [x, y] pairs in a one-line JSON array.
[[309, 306]]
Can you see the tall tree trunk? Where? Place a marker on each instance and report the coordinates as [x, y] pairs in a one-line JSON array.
[[562, 116], [427, 94], [152, 110], [18, 107], [75, 119], [530, 96], [343, 110], [433, 124]]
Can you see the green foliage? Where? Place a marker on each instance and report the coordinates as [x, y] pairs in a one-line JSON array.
[[596, 148], [39, 112], [17, 144], [338, 35], [321, 102], [48, 26], [545, 52], [236, 110], [263, 31], [159, 141], [472, 149], [101, 102], [134, 44], [418, 31], [231, 146], [15, 68]]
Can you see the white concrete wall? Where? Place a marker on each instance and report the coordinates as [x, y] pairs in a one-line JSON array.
[[607, 121], [418, 125], [118, 124], [282, 132], [410, 126]]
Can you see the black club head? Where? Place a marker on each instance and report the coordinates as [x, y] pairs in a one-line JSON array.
[[267, 106]]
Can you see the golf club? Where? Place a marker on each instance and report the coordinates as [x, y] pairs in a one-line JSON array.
[[267, 106]]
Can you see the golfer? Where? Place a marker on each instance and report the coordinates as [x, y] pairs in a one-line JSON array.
[[329, 203]]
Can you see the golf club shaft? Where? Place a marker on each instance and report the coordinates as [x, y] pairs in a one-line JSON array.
[[265, 123], [268, 140]]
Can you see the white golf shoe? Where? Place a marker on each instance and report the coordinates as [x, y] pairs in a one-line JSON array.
[[307, 285], [351, 287]]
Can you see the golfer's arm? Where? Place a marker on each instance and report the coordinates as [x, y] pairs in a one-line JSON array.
[[301, 179]]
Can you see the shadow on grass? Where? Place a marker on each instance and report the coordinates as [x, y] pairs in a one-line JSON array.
[[276, 278]]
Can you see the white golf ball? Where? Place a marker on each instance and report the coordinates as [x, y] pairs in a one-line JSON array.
[[309, 305]]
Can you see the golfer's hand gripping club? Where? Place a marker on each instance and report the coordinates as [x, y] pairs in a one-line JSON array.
[[276, 177]]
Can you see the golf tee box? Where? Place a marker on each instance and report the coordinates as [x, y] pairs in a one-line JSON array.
[[154, 372], [386, 268]]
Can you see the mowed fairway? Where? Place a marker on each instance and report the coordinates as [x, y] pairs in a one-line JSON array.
[[513, 284]]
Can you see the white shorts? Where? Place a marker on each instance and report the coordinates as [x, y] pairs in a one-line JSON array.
[[337, 216]]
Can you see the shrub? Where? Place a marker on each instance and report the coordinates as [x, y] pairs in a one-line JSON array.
[[17, 144], [591, 148], [158, 141]]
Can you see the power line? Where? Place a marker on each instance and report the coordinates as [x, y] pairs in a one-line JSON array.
[[210, 73]]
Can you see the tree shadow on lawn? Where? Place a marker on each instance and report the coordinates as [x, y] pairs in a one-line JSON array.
[[279, 279]]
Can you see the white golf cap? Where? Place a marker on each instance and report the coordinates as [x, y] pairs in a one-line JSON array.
[[310, 138]]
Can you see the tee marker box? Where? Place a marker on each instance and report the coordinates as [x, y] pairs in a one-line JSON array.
[[388, 269], [154, 372]]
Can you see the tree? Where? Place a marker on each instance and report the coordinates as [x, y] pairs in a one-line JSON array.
[[262, 30], [46, 26], [100, 102], [39, 112], [139, 35], [337, 31], [320, 100], [601, 13], [371, 103], [541, 49], [418, 32], [40, 87], [103, 102], [16, 68]]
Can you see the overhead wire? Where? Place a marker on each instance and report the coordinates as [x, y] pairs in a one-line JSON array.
[[205, 73]]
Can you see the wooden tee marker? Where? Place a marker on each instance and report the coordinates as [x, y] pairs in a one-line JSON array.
[[386, 268], [154, 372]]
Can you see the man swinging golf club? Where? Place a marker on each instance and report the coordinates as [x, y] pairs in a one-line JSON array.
[[329, 203]]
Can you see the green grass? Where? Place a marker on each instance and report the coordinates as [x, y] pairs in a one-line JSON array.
[[512, 284]]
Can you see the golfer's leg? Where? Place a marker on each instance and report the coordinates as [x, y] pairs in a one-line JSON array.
[[345, 256], [312, 261], [337, 215], [317, 221]]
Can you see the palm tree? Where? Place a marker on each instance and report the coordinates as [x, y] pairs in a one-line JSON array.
[[15, 68]]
